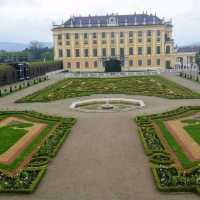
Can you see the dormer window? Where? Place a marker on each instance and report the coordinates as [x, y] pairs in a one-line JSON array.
[[112, 21]]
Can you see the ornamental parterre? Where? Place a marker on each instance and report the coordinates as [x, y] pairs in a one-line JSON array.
[[175, 165], [26, 165]]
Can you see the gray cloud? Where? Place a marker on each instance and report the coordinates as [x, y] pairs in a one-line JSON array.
[[26, 20]]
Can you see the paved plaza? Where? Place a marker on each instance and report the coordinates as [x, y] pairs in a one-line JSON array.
[[103, 158]]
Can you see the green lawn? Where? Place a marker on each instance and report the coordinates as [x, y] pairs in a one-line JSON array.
[[170, 176], [9, 136], [45, 147], [174, 145], [138, 85], [194, 131], [11, 133]]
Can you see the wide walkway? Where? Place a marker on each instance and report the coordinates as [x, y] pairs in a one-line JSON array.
[[103, 158], [192, 85]]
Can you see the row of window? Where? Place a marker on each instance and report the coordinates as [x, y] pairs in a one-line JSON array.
[[131, 62], [86, 64], [130, 41], [95, 64], [104, 34], [112, 51]]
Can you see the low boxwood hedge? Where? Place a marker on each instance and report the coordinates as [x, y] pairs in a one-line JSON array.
[[27, 180], [167, 175]]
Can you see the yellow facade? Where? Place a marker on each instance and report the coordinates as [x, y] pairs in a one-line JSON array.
[[145, 46]]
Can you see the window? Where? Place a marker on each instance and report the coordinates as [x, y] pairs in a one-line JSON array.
[[130, 63], [67, 36], [130, 33], [103, 42], [103, 35], [112, 34], [68, 65], [60, 37], [140, 62], [68, 43], [59, 43], [86, 52], [95, 64], [139, 40], [60, 53], [139, 50], [85, 35], [94, 35], [121, 52], [130, 41], [94, 41], [158, 50], [158, 61], [76, 36], [77, 65], [140, 34], [76, 43], [77, 53], [86, 64], [149, 50], [158, 39], [149, 62], [112, 42], [168, 49], [104, 52], [130, 51], [68, 53], [158, 33], [95, 52], [149, 33], [121, 34], [148, 39], [122, 63], [121, 41], [112, 51], [86, 42]]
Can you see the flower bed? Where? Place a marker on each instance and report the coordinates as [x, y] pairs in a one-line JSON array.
[[27, 180], [141, 85], [168, 176]]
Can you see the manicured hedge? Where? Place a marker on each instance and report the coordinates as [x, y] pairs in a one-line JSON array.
[[8, 74], [27, 180], [138, 85], [167, 176]]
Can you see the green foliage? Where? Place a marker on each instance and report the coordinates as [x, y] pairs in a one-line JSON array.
[[194, 131], [27, 180], [9, 135], [168, 177], [174, 145], [142, 85], [36, 51]]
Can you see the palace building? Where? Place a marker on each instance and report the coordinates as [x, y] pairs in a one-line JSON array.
[[134, 42]]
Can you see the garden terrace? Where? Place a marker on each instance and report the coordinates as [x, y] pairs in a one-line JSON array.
[[140, 85], [167, 140], [24, 156]]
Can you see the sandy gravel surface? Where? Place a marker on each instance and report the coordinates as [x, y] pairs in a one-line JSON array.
[[189, 146]]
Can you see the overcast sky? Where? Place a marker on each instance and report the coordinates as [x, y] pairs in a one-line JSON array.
[[27, 20]]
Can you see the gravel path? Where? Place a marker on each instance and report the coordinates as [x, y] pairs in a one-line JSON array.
[[103, 158], [182, 81]]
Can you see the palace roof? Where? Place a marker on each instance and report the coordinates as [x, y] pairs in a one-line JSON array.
[[114, 20]]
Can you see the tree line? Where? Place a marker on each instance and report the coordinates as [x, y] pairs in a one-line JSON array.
[[35, 52]]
